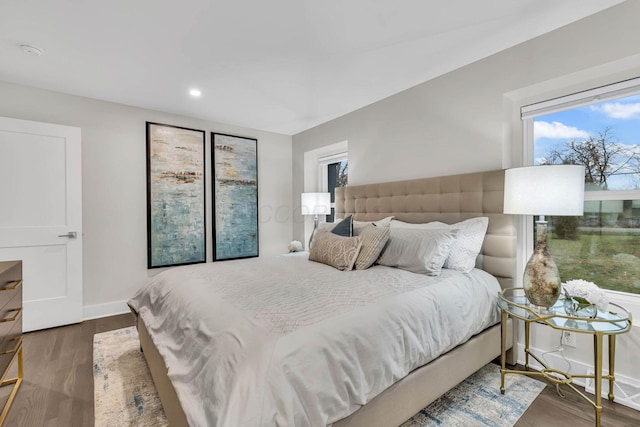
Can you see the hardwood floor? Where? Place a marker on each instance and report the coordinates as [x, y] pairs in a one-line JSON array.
[[57, 390], [549, 409]]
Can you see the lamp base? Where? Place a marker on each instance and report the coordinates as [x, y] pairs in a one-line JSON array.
[[315, 226], [541, 281]]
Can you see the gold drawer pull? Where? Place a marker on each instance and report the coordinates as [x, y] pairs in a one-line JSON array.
[[15, 316], [16, 284], [13, 350]]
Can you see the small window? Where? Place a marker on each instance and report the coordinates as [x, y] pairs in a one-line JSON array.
[[337, 176]]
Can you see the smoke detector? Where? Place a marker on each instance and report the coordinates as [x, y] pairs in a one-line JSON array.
[[30, 49]]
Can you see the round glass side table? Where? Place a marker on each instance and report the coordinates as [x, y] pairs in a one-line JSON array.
[[616, 320]]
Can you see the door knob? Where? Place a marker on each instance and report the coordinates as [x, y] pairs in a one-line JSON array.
[[71, 235]]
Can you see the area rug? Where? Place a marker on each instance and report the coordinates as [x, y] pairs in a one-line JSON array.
[[124, 393]]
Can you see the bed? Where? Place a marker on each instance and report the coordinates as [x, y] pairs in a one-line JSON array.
[[394, 392]]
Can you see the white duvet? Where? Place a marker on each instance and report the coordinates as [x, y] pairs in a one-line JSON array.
[[289, 342]]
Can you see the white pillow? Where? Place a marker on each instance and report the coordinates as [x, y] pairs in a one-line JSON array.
[[468, 244], [358, 226], [421, 251]]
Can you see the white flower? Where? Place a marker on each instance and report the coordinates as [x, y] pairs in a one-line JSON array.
[[587, 290], [295, 246]]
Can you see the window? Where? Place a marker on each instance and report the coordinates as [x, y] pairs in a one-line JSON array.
[[337, 176], [334, 173], [599, 129]]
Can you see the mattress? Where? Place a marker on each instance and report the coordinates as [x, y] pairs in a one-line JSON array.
[[286, 341]]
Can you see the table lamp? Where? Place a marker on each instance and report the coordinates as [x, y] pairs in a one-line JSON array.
[[315, 204], [556, 190]]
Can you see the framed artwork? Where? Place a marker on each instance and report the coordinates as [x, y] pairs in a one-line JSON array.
[[235, 196], [176, 233]]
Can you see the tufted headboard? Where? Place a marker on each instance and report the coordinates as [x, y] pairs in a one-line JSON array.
[[448, 199]]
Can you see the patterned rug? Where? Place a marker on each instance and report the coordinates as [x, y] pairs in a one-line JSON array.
[[124, 393]]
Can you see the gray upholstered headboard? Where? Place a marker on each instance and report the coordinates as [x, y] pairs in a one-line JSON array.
[[448, 199]]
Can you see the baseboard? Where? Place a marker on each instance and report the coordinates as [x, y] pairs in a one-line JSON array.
[[104, 310], [627, 389]]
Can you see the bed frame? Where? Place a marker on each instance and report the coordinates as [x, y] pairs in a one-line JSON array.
[[448, 199]]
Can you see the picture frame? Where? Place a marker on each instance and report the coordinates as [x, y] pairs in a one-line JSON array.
[[235, 196], [176, 188]]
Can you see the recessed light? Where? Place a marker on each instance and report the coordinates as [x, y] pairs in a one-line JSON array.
[[30, 49], [195, 93]]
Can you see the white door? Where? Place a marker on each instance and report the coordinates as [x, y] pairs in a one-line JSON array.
[[41, 218]]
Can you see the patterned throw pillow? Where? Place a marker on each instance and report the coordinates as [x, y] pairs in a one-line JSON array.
[[418, 250], [358, 226], [374, 238], [336, 251]]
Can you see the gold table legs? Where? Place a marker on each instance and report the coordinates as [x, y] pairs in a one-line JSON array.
[[612, 361], [15, 381], [597, 367], [503, 348], [547, 372]]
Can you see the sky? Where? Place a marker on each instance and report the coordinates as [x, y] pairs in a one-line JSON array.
[[621, 115]]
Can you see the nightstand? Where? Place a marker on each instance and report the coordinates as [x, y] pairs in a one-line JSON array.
[[616, 320], [10, 329], [297, 254]]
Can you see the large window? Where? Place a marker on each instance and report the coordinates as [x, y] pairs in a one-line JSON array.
[[599, 129]]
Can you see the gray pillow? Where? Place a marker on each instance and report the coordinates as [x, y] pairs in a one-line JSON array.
[[326, 226], [336, 251], [420, 251], [344, 228], [374, 238]]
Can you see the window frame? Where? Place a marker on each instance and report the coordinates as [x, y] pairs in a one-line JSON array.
[[323, 170], [529, 112]]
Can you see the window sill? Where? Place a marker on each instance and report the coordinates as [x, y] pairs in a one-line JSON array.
[[631, 302]]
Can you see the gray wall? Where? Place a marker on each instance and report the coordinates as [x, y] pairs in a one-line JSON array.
[[468, 120], [114, 186]]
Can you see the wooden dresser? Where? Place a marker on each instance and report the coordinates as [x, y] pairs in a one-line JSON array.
[[10, 330]]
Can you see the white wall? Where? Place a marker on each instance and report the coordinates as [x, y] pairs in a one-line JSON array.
[[464, 121], [468, 120], [114, 186]]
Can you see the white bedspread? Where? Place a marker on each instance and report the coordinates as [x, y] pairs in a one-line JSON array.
[[288, 342]]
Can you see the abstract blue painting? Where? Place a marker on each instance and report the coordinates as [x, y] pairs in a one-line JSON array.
[[235, 196], [176, 214]]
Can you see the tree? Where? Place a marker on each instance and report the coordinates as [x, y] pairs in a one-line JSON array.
[[343, 174], [566, 227], [601, 155]]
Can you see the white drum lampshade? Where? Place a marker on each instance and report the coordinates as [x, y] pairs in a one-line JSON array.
[[315, 204], [556, 190]]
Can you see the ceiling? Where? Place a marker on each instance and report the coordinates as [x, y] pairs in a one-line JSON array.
[[281, 65]]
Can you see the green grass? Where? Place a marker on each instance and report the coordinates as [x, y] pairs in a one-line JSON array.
[[611, 261]]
